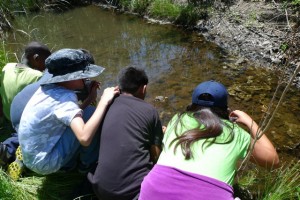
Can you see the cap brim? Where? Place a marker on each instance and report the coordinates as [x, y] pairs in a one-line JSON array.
[[90, 72]]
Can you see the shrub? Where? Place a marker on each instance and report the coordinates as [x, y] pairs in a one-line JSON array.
[[164, 9], [189, 15], [137, 6]]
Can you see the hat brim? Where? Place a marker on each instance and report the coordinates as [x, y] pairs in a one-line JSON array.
[[89, 72]]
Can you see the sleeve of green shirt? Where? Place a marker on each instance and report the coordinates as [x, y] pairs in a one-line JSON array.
[[13, 80]]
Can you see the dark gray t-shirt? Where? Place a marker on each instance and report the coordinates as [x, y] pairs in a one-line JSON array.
[[129, 129]]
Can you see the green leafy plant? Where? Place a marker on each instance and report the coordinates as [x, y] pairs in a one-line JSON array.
[[139, 6], [296, 2], [22, 5], [283, 47], [165, 9], [189, 15], [123, 3]]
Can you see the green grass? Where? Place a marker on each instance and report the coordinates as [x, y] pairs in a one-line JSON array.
[[164, 9], [21, 5], [283, 183], [59, 186], [186, 14], [10, 190], [189, 15], [137, 6], [280, 184]]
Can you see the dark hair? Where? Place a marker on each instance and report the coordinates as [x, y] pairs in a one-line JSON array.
[[210, 125], [131, 78], [82, 94], [34, 47], [90, 57]]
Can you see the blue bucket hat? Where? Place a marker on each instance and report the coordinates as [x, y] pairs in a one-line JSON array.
[[70, 64], [217, 92]]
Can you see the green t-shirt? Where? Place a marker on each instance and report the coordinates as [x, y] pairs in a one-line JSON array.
[[216, 161], [14, 78]]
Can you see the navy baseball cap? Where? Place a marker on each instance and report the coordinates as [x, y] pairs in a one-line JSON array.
[[70, 64], [210, 94]]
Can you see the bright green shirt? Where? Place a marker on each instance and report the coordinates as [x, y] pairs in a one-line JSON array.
[[216, 161], [13, 79]]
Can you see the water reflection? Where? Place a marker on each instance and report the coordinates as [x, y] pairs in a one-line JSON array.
[[175, 61]]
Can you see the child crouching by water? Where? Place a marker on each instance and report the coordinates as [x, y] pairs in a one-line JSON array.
[[54, 132], [202, 147]]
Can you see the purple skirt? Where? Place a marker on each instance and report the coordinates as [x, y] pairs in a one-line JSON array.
[[167, 183]]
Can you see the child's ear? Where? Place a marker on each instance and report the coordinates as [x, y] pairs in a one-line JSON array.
[[35, 56], [144, 89]]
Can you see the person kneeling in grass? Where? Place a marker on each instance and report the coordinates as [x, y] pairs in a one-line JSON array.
[[14, 77], [201, 149], [130, 141], [54, 132]]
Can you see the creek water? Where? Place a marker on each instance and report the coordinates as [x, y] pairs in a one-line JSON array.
[[175, 61]]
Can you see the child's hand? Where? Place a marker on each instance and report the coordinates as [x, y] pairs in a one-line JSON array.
[[109, 94], [241, 117], [93, 91]]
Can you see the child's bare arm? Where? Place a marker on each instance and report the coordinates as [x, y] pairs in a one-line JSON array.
[[86, 131], [264, 153]]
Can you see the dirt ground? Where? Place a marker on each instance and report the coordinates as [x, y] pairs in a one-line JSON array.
[[254, 31]]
